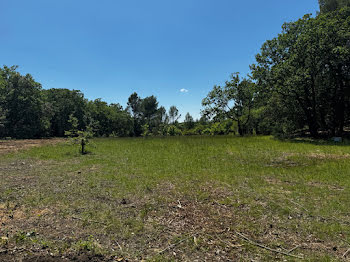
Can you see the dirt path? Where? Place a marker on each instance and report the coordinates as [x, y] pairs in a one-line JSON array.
[[8, 146]]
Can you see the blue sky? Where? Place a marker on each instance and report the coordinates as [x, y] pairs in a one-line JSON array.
[[111, 48]]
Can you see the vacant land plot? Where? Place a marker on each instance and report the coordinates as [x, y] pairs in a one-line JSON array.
[[8, 146], [177, 199]]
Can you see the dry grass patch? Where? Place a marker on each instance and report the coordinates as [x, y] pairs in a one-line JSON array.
[[9, 146]]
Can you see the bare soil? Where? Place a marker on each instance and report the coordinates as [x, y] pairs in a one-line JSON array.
[[9, 146], [30, 256], [166, 222]]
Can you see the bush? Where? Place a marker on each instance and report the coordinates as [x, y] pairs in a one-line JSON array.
[[173, 131], [145, 130], [190, 132]]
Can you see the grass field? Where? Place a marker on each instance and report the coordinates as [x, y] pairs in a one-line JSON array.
[[177, 199]]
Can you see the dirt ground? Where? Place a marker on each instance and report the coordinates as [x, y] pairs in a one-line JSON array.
[[29, 256], [8, 146], [217, 222]]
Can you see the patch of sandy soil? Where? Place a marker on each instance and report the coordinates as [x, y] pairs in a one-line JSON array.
[[323, 156], [8, 146]]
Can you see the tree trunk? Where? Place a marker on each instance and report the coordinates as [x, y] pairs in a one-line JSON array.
[[240, 129], [340, 105], [313, 128], [311, 120], [82, 147]]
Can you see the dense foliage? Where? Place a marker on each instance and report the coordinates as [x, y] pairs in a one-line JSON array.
[[332, 5], [233, 101], [301, 81], [28, 111], [23, 106]]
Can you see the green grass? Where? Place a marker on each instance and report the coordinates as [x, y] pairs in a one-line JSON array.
[[134, 198]]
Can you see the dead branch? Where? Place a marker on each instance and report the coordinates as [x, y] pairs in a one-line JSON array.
[[228, 243], [297, 204], [265, 247], [177, 243], [332, 219], [90, 221], [346, 253], [119, 246], [294, 248]]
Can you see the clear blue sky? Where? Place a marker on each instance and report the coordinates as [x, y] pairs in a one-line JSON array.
[[111, 48]]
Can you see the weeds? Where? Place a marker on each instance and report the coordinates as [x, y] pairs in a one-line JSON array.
[[137, 197]]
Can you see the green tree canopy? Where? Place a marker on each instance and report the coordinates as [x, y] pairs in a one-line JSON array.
[[189, 121], [303, 74], [233, 101], [145, 112], [61, 103], [332, 5], [173, 114], [106, 120], [22, 104]]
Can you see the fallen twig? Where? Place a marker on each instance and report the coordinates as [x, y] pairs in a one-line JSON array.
[[119, 246], [228, 243], [346, 253], [177, 243], [294, 248], [334, 219], [91, 221], [265, 247], [297, 204]]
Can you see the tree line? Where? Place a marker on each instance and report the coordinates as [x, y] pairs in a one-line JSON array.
[[29, 111], [299, 84]]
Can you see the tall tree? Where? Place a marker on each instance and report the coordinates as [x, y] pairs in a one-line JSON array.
[[304, 73], [144, 111], [162, 115], [22, 101], [189, 121], [233, 101], [173, 114], [108, 119], [134, 105], [149, 108], [332, 5], [2, 123], [61, 103], [134, 108]]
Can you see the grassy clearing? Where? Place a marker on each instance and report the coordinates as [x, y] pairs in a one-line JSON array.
[[179, 199]]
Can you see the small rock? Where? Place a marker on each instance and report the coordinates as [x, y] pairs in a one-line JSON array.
[[30, 234]]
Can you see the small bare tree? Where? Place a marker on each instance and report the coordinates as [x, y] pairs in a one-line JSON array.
[[78, 136]]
